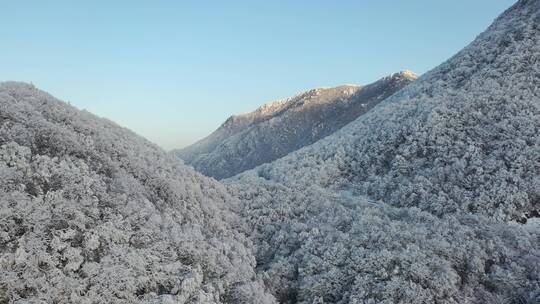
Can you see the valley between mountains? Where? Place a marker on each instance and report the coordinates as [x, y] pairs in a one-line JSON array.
[[406, 190]]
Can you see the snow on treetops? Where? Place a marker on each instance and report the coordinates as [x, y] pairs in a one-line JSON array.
[[92, 213]]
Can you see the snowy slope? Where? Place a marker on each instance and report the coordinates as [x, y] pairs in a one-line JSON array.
[[92, 213], [430, 197], [278, 128]]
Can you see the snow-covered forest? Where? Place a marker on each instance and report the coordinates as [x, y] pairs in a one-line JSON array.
[[92, 213], [431, 195]]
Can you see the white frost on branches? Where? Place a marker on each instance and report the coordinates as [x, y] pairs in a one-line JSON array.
[[92, 213]]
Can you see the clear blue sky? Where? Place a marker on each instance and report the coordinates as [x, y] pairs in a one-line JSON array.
[[173, 71]]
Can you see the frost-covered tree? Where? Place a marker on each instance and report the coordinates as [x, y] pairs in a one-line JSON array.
[[92, 213]]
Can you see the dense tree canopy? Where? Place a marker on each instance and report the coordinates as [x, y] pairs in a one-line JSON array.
[[92, 213]]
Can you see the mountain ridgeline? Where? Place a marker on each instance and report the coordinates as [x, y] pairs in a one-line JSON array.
[[279, 128], [433, 196]]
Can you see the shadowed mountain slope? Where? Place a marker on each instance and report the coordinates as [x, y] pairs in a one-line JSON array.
[[278, 128]]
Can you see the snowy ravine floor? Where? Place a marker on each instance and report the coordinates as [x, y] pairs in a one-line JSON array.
[[441, 183], [315, 244]]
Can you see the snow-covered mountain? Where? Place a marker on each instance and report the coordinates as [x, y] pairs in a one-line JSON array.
[[432, 196], [92, 213], [278, 128]]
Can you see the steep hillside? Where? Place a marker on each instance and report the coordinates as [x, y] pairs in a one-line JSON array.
[[276, 129], [92, 213], [430, 197]]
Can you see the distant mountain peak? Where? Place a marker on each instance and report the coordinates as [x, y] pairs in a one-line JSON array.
[[407, 74], [280, 127]]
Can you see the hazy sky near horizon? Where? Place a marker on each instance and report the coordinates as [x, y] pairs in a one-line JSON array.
[[173, 71]]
